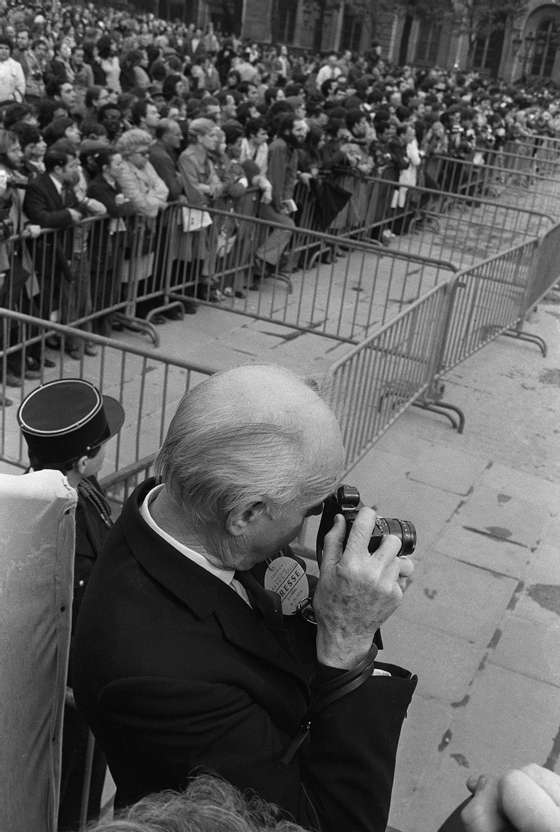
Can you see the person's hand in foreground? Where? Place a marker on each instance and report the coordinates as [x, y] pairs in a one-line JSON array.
[[522, 800]]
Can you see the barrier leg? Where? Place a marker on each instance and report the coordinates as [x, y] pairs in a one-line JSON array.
[[433, 400], [530, 337], [166, 307], [443, 408], [138, 325]]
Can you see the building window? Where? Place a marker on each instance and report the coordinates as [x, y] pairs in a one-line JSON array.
[[488, 48], [427, 45], [351, 34], [547, 41], [283, 21]]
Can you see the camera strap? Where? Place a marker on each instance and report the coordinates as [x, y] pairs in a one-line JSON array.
[[326, 692]]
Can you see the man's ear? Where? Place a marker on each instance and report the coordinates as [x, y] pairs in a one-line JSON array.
[[80, 464], [240, 520]]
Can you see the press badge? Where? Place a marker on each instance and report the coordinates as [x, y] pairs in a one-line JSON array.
[[286, 577]]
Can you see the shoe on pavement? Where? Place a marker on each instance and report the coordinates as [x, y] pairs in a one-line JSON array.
[[33, 374], [53, 342]]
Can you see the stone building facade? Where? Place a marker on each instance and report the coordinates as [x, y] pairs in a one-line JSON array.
[[528, 46]]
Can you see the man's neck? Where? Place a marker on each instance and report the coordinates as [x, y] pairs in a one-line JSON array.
[[163, 510]]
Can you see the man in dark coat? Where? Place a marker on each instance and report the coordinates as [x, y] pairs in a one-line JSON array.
[[183, 661], [49, 202]]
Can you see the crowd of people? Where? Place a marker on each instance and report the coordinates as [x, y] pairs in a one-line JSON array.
[[110, 114]]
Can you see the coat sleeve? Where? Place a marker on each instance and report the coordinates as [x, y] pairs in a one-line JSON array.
[[168, 173], [146, 201], [36, 209], [20, 81], [191, 179], [277, 163], [342, 779]]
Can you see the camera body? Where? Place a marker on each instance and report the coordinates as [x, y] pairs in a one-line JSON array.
[[346, 501]]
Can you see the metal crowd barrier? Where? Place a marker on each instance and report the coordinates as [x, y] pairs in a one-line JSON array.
[[371, 386], [107, 271], [338, 288], [489, 299], [149, 386], [404, 361], [100, 270], [458, 228], [540, 159], [545, 268], [503, 183]]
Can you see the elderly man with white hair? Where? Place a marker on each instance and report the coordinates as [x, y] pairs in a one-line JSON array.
[[185, 662]]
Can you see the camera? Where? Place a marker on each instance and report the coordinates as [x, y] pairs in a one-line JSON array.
[[346, 501]]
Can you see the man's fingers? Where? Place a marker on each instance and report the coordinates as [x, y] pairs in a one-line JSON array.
[[476, 782], [482, 813], [361, 532], [332, 546], [406, 567], [387, 553]]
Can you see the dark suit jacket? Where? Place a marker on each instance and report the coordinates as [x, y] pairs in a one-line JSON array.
[[43, 204], [104, 192], [53, 253], [174, 671], [166, 168]]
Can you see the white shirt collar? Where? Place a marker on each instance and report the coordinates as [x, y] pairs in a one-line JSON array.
[[225, 575], [57, 184]]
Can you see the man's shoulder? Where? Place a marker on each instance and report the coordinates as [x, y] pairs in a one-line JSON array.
[[40, 184], [159, 153]]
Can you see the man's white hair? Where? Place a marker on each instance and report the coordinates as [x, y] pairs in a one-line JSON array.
[[244, 436]]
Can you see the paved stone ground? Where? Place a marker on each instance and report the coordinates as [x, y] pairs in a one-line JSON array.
[[481, 620]]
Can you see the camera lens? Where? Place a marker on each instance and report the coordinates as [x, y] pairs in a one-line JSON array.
[[403, 529]]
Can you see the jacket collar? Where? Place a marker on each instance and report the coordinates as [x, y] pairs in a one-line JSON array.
[[202, 592]]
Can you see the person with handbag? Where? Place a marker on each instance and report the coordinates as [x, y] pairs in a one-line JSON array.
[[202, 186]]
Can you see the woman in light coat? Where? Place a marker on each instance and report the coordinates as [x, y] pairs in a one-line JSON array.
[[147, 193]]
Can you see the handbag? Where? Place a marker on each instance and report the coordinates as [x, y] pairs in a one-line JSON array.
[[194, 219]]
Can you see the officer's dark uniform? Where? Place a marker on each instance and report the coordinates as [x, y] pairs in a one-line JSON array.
[[62, 421]]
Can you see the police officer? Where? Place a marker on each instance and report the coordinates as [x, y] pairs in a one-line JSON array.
[[66, 424]]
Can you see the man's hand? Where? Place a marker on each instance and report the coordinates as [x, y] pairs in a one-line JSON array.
[[32, 231], [95, 208], [522, 800], [357, 590], [76, 216]]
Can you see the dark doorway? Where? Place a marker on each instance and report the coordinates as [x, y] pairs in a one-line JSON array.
[[405, 37]]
